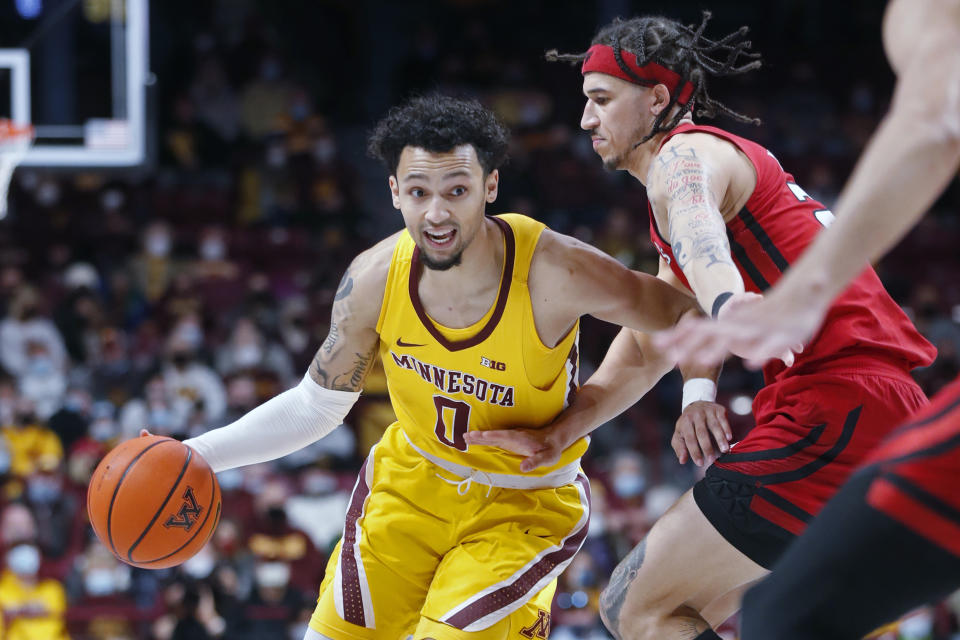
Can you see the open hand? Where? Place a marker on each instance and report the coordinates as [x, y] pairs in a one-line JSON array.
[[540, 447], [700, 426]]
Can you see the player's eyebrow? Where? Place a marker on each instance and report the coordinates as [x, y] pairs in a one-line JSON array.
[[456, 173]]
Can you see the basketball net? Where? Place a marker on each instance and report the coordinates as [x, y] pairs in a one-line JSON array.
[[15, 142]]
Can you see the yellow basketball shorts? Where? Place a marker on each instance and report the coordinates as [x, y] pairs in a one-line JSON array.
[[425, 553]]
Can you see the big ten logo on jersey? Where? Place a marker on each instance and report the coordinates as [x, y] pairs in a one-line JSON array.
[[540, 628], [492, 364], [189, 512]]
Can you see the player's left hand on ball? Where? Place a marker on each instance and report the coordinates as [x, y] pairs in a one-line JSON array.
[[537, 445], [700, 426]]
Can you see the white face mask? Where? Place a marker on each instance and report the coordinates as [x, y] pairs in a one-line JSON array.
[[201, 565], [230, 479], [24, 560], [112, 199], [213, 250], [247, 355], [103, 429], [100, 582], [158, 244], [272, 574]]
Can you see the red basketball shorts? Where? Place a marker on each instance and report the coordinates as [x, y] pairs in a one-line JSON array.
[[918, 483], [812, 432]]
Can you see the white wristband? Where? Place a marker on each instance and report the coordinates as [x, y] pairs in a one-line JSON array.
[[697, 389]]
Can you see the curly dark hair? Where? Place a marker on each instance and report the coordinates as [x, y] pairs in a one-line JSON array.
[[439, 123], [680, 48]]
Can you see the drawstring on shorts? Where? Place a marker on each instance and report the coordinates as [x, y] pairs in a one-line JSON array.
[[463, 486]]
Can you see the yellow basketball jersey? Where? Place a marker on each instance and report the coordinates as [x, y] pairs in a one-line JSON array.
[[496, 374]]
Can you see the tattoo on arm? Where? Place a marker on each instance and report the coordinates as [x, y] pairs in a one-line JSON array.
[[345, 286], [332, 336], [350, 380], [612, 598], [332, 366], [695, 231]]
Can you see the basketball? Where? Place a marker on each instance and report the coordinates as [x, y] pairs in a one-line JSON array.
[[153, 502]]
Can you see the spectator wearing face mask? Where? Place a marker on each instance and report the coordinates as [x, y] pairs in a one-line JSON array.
[[249, 351], [98, 575], [56, 510], [191, 384], [24, 326], [71, 420], [276, 609], [218, 277], [32, 607], [112, 369], [153, 411], [33, 446], [42, 381], [295, 331], [628, 481], [273, 539], [79, 314], [154, 267]]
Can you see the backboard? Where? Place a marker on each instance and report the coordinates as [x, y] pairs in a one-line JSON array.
[[77, 71]]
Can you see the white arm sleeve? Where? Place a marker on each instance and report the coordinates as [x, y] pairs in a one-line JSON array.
[[280, 426]]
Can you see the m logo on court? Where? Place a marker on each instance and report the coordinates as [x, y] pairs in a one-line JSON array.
[[540, 628], [188, 513]]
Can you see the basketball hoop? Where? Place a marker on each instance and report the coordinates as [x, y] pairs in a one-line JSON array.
[[15, 142]]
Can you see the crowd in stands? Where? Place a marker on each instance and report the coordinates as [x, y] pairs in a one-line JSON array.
[[178, 300]]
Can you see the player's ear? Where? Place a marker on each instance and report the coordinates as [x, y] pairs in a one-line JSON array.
[[395, 192], [492, 185], [660, 99]]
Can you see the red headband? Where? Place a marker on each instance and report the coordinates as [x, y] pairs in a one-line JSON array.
[[600, 58]]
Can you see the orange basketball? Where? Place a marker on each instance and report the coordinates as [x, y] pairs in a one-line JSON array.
[[153, 502]]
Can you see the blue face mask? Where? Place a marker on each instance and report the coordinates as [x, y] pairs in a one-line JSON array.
[[160, 418], [629, 485], [24, 560], [230, 479], [74, 403], [40, 366], [42, 490]]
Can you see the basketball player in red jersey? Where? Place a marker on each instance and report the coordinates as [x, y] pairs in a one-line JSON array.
[[727, 219], [890, 539]]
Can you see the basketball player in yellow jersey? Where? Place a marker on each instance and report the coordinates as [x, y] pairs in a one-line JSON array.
[[476, 321]]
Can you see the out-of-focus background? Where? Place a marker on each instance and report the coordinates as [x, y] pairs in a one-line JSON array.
[[198, 184]]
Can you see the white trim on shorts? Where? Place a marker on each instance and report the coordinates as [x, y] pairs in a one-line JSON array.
[[561, 477]]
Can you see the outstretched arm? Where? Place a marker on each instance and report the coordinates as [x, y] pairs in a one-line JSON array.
[[907, 164], [625, 374], [306, 413], [589, 281], [910, 159]]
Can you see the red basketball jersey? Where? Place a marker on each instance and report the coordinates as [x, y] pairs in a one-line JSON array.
[[864, 329]]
